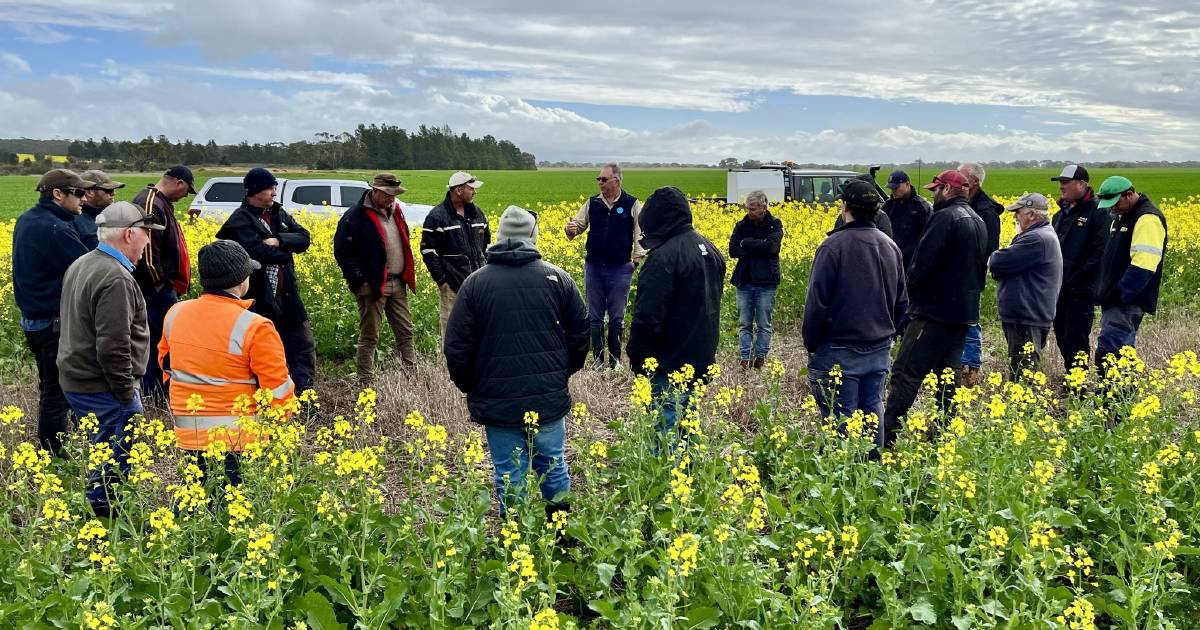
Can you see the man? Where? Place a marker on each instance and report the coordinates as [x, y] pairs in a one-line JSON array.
[[1028, 276], [613, 252], [453, 240], [1082, 229], [1131, 271], [881, 220], [105, 339], [677, 311], [97, 198], [165, 272], [373, 249], [856, 300], [517, 333], [988, 210], [272, 237], [755, 243], [945, 281], [909, 213], [216, 351], [45, 243]]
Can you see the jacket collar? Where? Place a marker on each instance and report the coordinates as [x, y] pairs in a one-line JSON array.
[[212, 295], [946, 203], [58, 211], [857, 224]]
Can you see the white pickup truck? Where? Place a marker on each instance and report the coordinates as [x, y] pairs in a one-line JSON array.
[[220, 196]]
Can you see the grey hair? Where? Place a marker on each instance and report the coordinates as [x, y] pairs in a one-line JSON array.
[[109, 234], [756, 198], [616, 170], [1042, 214], [973, 169]]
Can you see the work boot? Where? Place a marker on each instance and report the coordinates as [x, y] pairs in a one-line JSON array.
[[971, 376], [745, 363], [758, 362], [598, 346], [615, 335]]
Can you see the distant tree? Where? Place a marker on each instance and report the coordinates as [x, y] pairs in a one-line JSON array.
[[729, 162]]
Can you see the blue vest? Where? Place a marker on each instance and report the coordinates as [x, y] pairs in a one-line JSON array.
[[610, 232]]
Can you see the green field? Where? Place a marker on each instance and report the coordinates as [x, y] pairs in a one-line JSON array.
[[528, 188]]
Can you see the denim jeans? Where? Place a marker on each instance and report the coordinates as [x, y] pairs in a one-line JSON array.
[[113, 416], [511, 454], [864, 369], [157, 305], [668, 400], [972, 355], [1118, 328], [756, 309], [607, 288]]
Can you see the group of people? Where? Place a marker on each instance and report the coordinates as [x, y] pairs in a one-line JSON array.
[[98, 285]]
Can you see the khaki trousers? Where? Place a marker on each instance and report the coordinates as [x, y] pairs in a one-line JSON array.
[[446, 298], [371, 311]]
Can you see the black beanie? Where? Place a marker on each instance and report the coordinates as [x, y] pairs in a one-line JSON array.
[[257, 180], [223, 265]]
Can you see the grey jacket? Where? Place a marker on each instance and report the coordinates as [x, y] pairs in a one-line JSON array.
[[1029, 274], [105, 342]]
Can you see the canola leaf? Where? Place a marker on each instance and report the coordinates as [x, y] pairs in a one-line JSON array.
[[318, 612], [606, 572], [702, 617], [923, 612], [605, 609]]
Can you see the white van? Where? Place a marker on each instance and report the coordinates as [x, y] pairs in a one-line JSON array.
[[220, 196]]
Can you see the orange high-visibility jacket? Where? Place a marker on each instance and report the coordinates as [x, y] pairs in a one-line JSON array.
[[213, 346]]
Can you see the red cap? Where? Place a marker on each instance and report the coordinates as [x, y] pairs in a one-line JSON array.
[[953, 179]]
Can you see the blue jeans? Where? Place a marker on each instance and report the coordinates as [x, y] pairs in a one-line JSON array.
[[756, 308], [113, 416], [510, 449], [972, 355], [864, 370], [1118, 328], [607, 288], [668, 401]]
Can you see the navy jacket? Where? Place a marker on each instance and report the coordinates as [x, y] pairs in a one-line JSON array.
[[45, 243], [756, 248], [856, 292], [949, 267], [85, 224], [909, 218], [1029, 273]]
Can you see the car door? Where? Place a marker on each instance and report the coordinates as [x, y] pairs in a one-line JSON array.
[[348, 195], [314, 197]]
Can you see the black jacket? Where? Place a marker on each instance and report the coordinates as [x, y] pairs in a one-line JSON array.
[[1122, 283], [856, 292], [517, 333], [454, 246], [677, 309], [1082, 232], [245, 225], [909, 217], [949, 268], [989, 210], [881, 221], [756, 248], [85, 224], [360, 250], [44, 244]]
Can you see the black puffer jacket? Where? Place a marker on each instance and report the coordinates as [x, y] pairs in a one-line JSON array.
[[756, 248], [454, 246], [677, 310], [949, 267], [282, 305], [517, 333]]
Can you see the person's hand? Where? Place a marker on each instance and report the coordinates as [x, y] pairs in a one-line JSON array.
[[572, 228], [273, 242]]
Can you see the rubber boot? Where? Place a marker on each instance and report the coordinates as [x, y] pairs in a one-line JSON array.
[[615, 336], [598, 346]]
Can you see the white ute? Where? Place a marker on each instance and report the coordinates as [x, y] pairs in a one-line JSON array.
[[220, 196]]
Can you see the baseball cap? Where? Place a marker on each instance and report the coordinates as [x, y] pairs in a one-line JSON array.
[[62, 178], [123, 214], [463, 177], [101, 180], [1071, 171], [951, 178], [858, 192], [390, 184], [897, 178], [1037, 201], [180, 171], [1110, 191]]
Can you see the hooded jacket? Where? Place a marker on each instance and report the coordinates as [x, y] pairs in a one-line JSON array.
[[360, 248], [454, 246], [1082, 230], [949, 266], [677, 310], [281, 304], [518, 331]]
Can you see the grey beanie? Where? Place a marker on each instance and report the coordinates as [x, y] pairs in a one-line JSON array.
[[224, 264], [518, 224]]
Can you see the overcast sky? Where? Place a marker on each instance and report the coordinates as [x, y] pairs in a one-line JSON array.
[[850, 81]]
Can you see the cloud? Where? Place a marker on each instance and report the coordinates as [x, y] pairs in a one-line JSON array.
[[41, 34], [13, 62]]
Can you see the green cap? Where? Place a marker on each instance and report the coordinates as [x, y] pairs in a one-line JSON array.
[[1110, 191]]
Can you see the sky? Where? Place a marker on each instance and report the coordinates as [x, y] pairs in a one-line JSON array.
[[838, 82]]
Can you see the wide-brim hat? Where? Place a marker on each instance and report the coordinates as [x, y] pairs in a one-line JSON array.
[[388, 183]]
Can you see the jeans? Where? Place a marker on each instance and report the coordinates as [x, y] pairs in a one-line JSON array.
[[864, 369], [972, 355], [52, 404], [511, 453], [300, 352], [1017, 335], [1118, 328], [668, 400], [157, 305], [607, 288], [1073, 321], [113, 415], [756, 309], [927, 347]]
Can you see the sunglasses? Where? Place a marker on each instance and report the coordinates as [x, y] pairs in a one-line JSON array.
[[78, 192], [604, 180]]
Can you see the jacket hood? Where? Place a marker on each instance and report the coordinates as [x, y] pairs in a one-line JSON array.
[[512, 251], [665, 214]]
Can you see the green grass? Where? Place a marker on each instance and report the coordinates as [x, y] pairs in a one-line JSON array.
[[528, 188]]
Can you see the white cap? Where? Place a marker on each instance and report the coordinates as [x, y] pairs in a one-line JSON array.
[[463, 177]]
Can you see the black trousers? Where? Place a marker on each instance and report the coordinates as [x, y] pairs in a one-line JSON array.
[[300, 350], [1017, 335], [927, 346], [52, 403], [1073, 321]]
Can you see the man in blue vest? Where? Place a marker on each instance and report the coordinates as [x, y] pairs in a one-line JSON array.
[[613, 252]]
